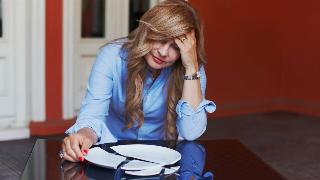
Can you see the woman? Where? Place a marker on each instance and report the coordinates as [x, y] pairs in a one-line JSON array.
[[148, 86]]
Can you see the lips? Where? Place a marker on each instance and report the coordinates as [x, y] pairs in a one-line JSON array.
[[157, 60]]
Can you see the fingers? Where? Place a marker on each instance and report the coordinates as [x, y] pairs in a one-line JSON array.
[[66, 156], [178, 42], [86, 145], [75, 146], [191, 36], [187, 39], [69, 152]]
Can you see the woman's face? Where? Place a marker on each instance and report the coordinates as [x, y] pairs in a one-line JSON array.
[[162, 54]]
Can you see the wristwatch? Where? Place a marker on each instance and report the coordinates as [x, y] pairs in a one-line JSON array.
[[194, 76]]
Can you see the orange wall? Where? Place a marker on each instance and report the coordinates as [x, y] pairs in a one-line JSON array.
[[262, 55], [54, 60], [301, 53]]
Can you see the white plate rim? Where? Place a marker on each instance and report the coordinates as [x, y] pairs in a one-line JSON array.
[[105, 165], [149, 145]]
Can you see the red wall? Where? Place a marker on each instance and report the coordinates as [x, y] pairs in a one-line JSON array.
[[54, 60], [264, 55], [301, 53]]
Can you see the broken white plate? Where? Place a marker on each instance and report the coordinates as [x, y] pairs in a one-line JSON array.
[[102, 158], [135, 165], [153, 171], [151, 153]]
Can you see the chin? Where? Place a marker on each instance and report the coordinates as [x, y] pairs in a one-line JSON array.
[[156, 66]]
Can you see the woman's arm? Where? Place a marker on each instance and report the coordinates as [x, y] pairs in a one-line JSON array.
[[90, 125], [192, 122], [191, 92], [191, 109]]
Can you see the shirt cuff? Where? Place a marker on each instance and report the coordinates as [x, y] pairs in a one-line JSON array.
[[184, 108], [87, 124]]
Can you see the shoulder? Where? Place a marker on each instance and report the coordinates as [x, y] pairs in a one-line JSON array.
[[112, 49], [111, 52]]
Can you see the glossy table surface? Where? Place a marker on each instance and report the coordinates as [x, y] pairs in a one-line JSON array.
[[205, 159]]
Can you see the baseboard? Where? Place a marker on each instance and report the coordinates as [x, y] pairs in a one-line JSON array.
[[56, 127], [14, 134], [299, 106]]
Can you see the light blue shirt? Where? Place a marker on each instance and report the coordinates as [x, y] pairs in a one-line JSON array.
[[103, 107]]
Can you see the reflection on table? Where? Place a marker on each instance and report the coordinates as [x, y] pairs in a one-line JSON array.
[[191, 166], [208, 159]]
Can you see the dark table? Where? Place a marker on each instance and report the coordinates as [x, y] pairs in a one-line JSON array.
[[220, 159]]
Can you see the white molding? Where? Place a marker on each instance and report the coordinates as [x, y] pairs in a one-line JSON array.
[[38, 61], [20, 58], [68, 56], [7, 53], [16, 38], [14, 133]]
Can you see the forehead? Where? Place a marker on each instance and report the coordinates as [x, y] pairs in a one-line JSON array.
[[162, 41]]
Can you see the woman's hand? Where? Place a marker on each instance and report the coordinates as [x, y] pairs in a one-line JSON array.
[[77, 145], [188, 50]]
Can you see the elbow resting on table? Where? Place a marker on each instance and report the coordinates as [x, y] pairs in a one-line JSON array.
[[190, 137], [191, 132]]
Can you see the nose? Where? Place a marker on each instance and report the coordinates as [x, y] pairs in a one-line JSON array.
[[164, 49]]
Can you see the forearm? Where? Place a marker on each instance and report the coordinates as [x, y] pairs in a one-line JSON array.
[[191, 92], [191, 122]]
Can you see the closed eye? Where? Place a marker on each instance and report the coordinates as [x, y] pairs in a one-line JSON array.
[[175, 46]]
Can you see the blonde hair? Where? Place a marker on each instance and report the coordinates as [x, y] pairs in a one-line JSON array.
[[166, 20]]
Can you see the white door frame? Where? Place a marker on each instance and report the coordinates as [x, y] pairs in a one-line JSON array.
[[15, 30], [116, 26], [38, 98], [8, 71]]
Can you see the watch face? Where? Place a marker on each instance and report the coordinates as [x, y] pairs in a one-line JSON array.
[[196, 75]]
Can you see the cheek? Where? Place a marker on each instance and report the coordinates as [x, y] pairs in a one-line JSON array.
[[148, 57], [174, 56]]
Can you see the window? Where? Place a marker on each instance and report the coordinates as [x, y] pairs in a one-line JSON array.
[[137, 9], [93, 19]]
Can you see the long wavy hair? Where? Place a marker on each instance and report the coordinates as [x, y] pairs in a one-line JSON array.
[[166, 20]]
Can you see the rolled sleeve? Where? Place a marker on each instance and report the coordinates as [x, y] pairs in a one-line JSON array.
[[185, 109], [191, 123]]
